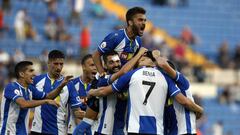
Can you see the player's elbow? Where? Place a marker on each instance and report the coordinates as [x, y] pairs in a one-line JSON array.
[[24, 105], [186, 103]]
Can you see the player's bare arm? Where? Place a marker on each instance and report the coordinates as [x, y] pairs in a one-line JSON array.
[[53, 94], [34, 103], [189, 104], [101, 92], [162, 63], [129, 65], [98, 63], [78, 114]]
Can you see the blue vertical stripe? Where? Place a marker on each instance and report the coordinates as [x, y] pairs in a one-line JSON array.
[[187, 117], [49, 112], [5, 115], [20, 125], [120, 110], [103, 114]]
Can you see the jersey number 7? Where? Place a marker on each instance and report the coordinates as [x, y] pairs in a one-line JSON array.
[[151, 84]]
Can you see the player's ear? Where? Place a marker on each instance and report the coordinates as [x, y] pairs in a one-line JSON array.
[[130, 22], [21, 74]]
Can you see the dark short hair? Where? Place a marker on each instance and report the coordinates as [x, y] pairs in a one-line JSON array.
[[21, 67], [85, 58], [172, 65], [108, 54], [56, 54], [133, 11]]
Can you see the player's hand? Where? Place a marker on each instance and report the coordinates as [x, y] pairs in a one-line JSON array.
[[102, 74], [79, 113], [66, 80], [161, 61], [198, 115], [142, 51], [52, 102], [90, 93], [156, 53]]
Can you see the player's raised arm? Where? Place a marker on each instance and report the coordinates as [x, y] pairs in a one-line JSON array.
[[129, 65], [53, 94], [34, 103], [98, 63]]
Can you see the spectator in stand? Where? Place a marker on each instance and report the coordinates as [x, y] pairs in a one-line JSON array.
[[97, 9], [6, 6], [223, 55], [3, 27], [30, 32], [76, 9], [18, 56], [3, 75], [19, 25], [52, 6], [4, 60], [85, 41], [187, 36], [50, 29], [62, 35], [217, 128], [44, 60], [236, 57], [179, 54]]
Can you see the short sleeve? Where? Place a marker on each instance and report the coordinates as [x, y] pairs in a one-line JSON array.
[[103, 81], [182, 82], [36, 93], [123, 82], [173, 90], [108, 44], [12, 92], [74, 99]]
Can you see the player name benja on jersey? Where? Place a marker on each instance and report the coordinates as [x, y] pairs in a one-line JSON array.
[[147, 73]]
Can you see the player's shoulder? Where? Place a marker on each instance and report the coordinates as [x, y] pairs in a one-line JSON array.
[[115, 35], [76, 80], [39, 77], [11, 85]]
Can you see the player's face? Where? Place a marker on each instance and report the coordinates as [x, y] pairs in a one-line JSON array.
[[29, 74], [89, 68], [139, 22], [113, 64], [145, 61], [55, 67]]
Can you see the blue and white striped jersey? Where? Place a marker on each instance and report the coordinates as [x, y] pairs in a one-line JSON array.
[[112, 112], [14, 120], [49, 119], [82, 89], [119, 42], [180, 120], [147, 93]]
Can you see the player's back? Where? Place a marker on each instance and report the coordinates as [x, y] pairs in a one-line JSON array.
[[147, 91]]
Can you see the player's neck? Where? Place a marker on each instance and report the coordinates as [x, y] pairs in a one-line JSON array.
[[53, 76], [130, 33], [22, 82], [85, 79]]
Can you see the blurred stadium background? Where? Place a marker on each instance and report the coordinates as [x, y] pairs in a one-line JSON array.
[[201, 36]]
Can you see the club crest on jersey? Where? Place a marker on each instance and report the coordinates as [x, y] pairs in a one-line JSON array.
[[126, 56], [103, 45]]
